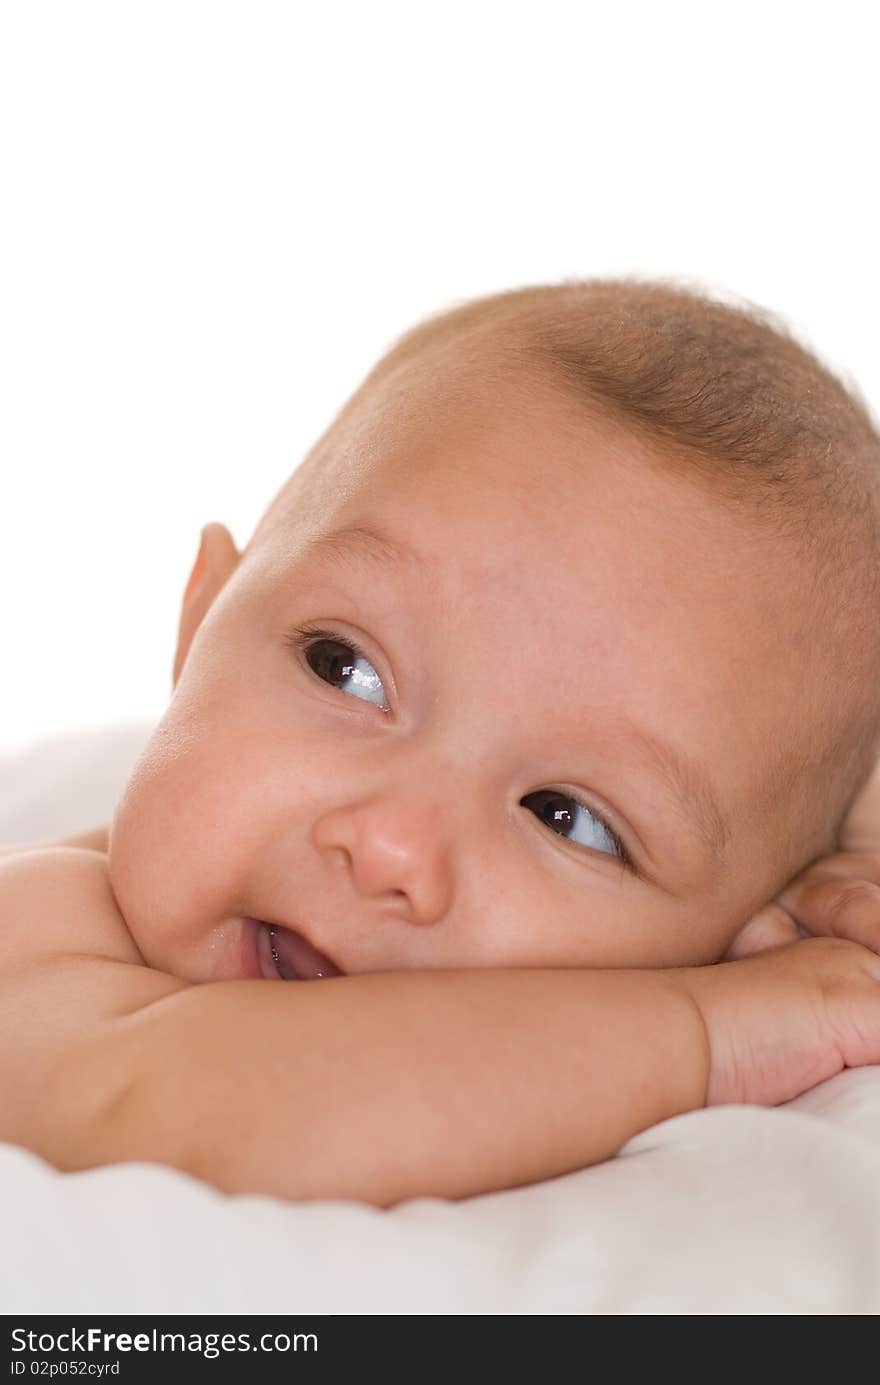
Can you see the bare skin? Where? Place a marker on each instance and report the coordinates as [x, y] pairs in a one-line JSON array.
[[402, 841], [366, 1087]]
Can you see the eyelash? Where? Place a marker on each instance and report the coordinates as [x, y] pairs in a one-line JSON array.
[[302, 637]]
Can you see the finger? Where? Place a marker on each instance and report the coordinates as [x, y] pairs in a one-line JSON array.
[[773, 927], [859, 865], [836, 907]]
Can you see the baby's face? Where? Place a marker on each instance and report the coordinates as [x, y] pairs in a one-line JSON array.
[[555, 746]]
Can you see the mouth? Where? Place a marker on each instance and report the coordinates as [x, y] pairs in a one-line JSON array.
[[277, 953]]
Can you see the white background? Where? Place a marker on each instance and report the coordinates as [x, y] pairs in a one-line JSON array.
[[216, 216]]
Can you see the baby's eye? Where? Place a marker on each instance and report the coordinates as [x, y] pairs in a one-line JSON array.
[[571, 819], [339, 662]]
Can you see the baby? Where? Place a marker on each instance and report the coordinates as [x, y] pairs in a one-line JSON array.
[[553, 663]]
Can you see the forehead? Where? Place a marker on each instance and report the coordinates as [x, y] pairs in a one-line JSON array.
[[495, 471], [502, 484], [532, 521]]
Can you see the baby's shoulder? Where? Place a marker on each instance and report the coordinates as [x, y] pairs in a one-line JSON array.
[[69, 971], [57, 902]]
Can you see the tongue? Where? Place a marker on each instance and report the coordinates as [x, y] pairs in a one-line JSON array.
[[296, 959]]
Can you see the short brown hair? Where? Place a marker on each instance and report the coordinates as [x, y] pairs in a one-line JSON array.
[[726, 386]]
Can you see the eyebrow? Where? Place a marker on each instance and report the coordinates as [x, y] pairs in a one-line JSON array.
[[685, 779], [691, 787], [363, 542]]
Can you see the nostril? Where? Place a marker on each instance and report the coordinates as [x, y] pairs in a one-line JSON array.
[[340, 857]]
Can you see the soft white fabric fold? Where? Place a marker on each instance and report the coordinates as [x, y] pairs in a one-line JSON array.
[[736, 1210]]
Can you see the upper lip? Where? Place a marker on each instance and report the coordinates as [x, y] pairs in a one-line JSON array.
[[298, 954]]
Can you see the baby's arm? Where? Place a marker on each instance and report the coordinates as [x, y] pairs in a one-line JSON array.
[[396, 1085], [449, 1084], [378, 1087], [389, 1086]]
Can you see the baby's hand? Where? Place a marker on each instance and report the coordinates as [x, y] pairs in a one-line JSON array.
[[781, 1022], [836, 897]]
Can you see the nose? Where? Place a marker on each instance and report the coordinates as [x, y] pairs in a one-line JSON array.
[[395, 853]]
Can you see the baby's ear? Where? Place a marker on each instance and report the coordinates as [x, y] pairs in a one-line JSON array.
[[215, 563]]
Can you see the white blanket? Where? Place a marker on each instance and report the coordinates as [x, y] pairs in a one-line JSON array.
[[728, 1211]]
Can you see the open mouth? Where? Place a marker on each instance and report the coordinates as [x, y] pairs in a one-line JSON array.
[[285, 955]]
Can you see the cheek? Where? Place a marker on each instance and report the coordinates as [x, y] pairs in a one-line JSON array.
[[218, 802], [170, 861], [602, 921], [530, 917]]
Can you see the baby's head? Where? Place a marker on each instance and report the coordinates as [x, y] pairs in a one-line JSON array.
[[559, 649]]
